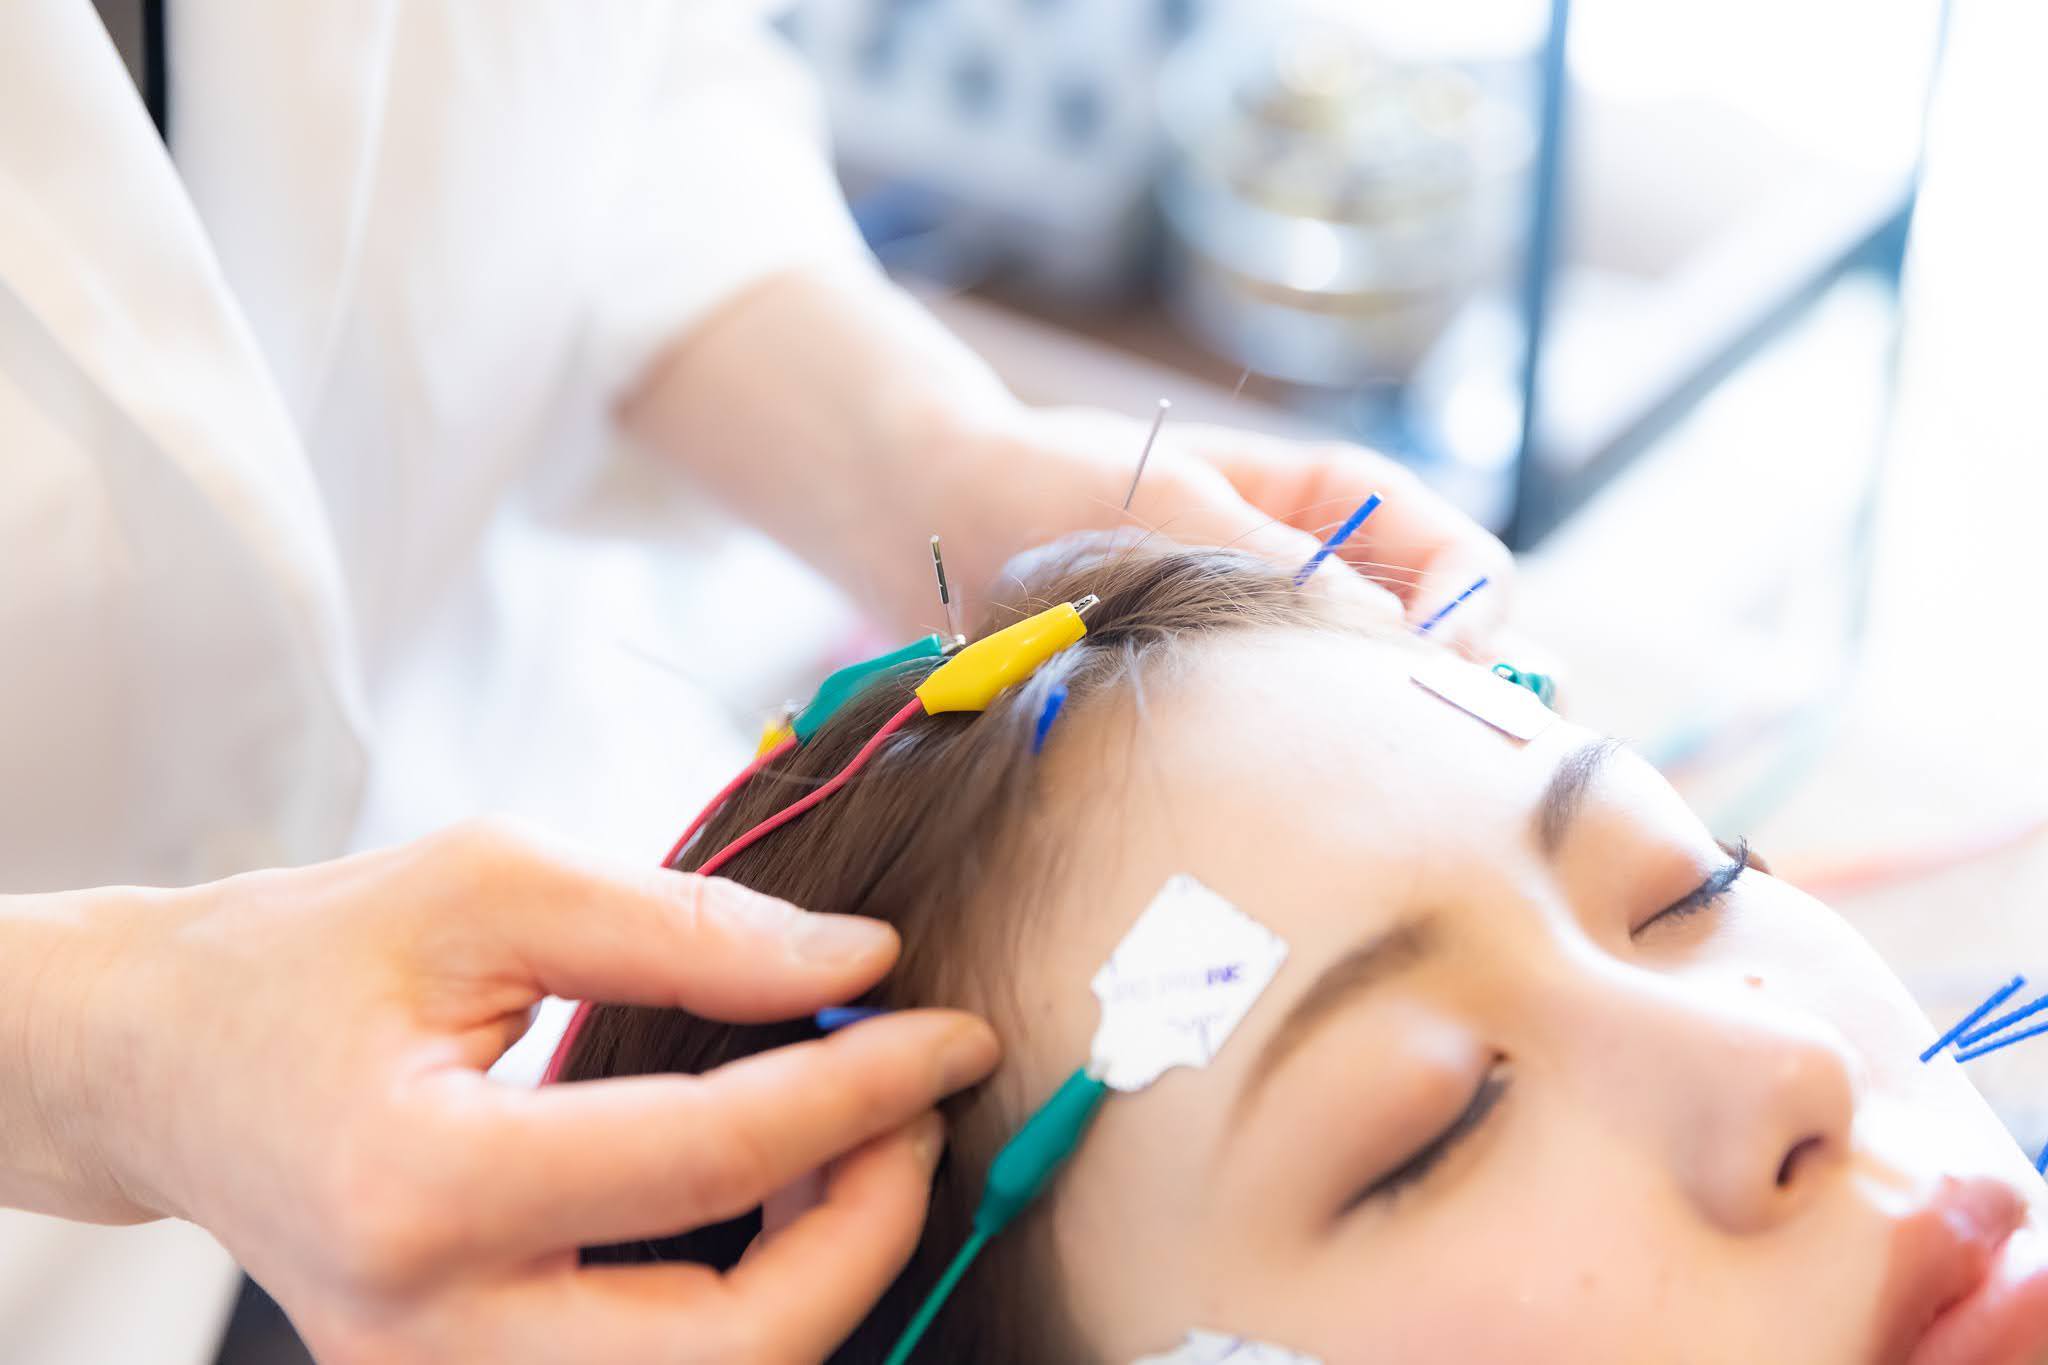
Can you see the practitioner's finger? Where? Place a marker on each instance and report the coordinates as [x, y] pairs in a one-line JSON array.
[[817, 1278], [1417, 543], [572, 924], [793, 1301], [1192, 504], [1465, 606], [646, 1156]]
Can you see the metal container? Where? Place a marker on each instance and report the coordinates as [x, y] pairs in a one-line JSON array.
[[1330, 208]]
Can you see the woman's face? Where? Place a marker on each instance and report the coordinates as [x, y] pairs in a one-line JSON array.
[[1537, 1081]]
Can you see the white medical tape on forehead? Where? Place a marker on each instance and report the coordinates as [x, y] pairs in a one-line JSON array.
[[1220, 1348], [1178, 984], [1514, 711]]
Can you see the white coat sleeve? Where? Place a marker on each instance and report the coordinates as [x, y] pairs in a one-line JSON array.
[[731, 184]]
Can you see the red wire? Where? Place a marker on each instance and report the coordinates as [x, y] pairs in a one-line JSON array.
[[747, 774], [911, 708]]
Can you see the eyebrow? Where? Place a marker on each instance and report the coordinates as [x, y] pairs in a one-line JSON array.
[[1384, 955], [1412, 941], [1566, 794]]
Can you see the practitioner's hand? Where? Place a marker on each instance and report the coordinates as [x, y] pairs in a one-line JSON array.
[[833, 412], [1052, 471], [295, 1060]]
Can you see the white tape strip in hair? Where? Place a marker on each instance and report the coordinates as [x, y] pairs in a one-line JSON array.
[[1485, 695]]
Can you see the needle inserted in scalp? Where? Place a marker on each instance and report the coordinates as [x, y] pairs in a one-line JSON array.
[[946, 595], [1344, 532], [1047, 714], [1433, 622], [1158, 419]]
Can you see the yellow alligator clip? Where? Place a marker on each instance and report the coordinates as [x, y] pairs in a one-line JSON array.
[[972, 678]]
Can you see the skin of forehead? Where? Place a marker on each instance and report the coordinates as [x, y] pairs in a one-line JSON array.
[[1254, 768], [1259, 748]]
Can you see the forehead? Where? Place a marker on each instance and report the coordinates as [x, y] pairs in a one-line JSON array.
[[1312, 757], [1303, 776]]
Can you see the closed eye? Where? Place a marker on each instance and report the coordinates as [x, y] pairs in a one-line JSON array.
[[1707, 894], [1417, 1167]]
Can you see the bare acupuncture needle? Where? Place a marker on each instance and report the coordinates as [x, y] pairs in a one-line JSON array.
[[1158, 420], [946, 594]]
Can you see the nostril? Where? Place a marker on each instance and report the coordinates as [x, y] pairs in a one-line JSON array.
[[1803, 1149]]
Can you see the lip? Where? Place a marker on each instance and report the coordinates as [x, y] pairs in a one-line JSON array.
[[1968, 1281]]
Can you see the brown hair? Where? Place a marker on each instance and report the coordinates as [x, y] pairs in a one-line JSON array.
[[936, 816]]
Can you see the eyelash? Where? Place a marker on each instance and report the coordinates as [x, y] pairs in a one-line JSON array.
[[1487, 1097], [1708, 893], [1417, 1167]]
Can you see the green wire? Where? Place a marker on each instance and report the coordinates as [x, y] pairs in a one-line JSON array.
[[928, 1311], [1017, 1176]]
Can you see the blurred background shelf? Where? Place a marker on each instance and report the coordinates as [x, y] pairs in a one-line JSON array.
[[1413, 226]]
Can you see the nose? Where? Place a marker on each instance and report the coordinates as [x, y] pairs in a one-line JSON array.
[[1750, 1105]]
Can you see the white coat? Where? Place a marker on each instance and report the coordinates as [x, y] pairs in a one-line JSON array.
[[306, 442]]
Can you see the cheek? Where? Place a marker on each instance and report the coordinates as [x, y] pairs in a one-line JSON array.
[[1579, 1249], [1565, 1252]]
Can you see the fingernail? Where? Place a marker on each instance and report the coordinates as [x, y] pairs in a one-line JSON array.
[[831, 940], [967, 1057]]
